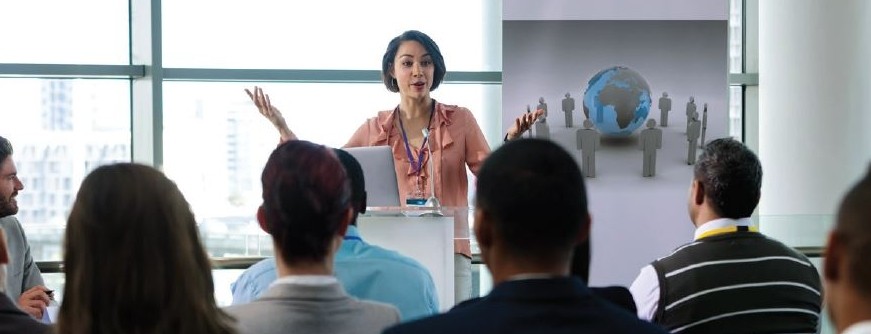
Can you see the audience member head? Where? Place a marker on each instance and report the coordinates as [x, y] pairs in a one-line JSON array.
[[306, 203], [9, 182], [5, 148], [531, 209], [438, 61], [846, 270], [727, 182], [358, 182], [133, 259]]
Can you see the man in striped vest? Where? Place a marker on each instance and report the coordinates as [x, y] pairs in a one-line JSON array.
[[846, 267], [731, 278]]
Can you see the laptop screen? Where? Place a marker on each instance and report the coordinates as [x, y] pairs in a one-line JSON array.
[[379, 173]]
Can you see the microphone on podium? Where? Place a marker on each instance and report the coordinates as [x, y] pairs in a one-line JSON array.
[[432, 201]]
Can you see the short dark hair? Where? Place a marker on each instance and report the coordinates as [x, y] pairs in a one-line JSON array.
[[5, 148], [358, 182], [533, 191], [731, 176], [306, 194], [853, 226], [431, 47]]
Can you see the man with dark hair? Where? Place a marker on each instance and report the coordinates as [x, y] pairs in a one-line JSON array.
[[24, 283], [306, 209], [731, 279], [846, 267], [528, 249], [366, 271]]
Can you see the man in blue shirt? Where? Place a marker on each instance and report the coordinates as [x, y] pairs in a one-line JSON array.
[[366, 271]]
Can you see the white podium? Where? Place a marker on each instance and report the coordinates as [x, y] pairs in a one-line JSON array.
[[429, 240]]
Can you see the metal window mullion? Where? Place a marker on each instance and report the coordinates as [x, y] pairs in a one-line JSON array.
[[71, 71], [146, 92], [312, 75]]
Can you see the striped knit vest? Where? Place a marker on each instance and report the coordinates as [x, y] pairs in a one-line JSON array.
[[739, 282]]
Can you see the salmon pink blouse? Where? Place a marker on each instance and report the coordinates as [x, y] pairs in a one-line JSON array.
[[456, 142]]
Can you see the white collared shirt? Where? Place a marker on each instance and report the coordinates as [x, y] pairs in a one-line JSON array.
[[862, 327], [310, 280], [645, 288], [720, 223]]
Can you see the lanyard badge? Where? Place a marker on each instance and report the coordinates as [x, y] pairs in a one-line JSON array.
[[417, 196]]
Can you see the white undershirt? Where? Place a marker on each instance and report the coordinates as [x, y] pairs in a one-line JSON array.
[[311, 280], [862, 327]]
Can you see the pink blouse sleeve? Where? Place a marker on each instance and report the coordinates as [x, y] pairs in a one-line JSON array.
[[477, 148], [361, 136]]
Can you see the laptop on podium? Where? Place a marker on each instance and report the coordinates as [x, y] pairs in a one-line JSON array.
[[379, 173]]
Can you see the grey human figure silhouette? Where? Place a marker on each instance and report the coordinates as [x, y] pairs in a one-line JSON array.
[[691, 108], [693, 132], [704, 124], [664, 108], [588, 141], [543, 106], [542, 130], [568, 107], [651, 140]]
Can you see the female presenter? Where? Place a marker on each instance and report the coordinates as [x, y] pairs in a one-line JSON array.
[[413, 66]]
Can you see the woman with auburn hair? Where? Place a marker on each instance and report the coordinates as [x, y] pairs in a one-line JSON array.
[[133, 259]]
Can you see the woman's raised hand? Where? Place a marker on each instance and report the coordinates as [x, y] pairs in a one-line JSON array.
[[523, 123], [261, 100]]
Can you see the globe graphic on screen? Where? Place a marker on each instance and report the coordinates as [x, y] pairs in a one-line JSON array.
[[617, 100]]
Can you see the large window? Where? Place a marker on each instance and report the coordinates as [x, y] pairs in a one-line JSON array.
[[326, 34], [60, 129], [64, 32], [322, 69], [72, 97]]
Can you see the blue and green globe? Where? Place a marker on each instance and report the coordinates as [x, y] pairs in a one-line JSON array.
[[617, 100]]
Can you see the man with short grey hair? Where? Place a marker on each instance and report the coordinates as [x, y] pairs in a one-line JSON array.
[[731, 278]]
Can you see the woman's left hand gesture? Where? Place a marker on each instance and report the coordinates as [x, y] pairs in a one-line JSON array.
[[523, 123]]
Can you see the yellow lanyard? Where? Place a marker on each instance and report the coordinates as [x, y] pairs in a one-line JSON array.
[[730, 229]]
